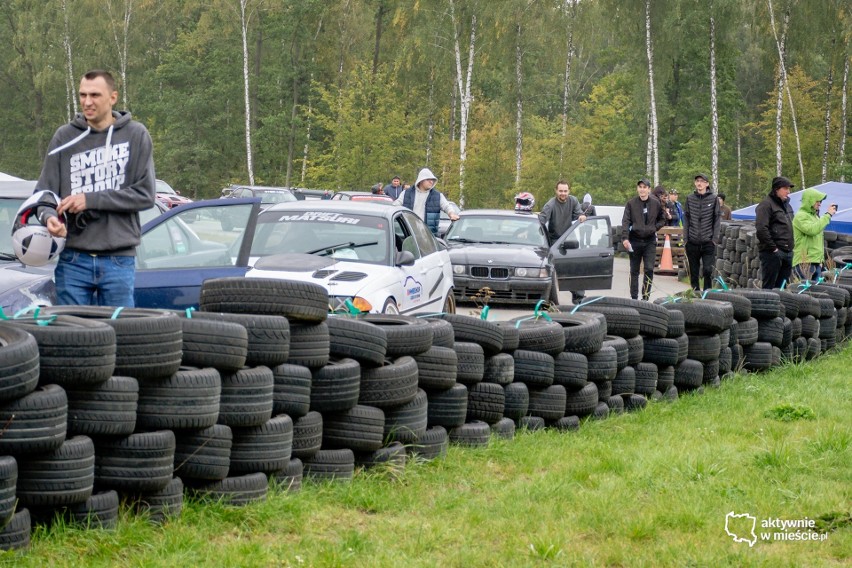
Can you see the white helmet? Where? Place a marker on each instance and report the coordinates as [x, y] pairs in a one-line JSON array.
[[32, 242]]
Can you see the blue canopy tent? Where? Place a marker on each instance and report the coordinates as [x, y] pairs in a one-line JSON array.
[[839, 193]]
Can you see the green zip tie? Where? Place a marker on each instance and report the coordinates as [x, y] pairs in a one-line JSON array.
[[722, 282], [783, 283], [353, 311], [484, 314], [189, 311], [592, 301], [116, 313]]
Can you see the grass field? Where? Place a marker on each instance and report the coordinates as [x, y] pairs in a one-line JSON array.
[[646, 489]]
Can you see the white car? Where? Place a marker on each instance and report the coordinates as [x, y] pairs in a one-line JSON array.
[[381, 258]]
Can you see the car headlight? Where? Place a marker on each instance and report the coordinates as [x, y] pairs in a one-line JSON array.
[[521, 272], [458, 269], [544, 273]]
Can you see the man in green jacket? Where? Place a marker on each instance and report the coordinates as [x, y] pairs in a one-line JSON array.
[[808, 227]]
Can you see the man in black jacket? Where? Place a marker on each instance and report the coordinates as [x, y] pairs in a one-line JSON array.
[[643, 217], [702, 220], [774, 224]]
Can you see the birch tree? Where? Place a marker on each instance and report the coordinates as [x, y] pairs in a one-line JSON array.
[[121, 42], [714, 109], [70, 82], [246, 91], [827, 130], [463, 82], [655, 148], [572, 16], [843, 117], [519, 131], [779, 101]]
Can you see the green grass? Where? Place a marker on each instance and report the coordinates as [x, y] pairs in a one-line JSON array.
[[645, 489]]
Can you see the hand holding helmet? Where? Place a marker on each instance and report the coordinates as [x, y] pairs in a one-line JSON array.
[[38, 233]]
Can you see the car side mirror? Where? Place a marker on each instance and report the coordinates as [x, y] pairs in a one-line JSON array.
[[569, 245], [405, 258]]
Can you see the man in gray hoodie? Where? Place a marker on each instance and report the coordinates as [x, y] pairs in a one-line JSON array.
[[557, 216], [102, 167]]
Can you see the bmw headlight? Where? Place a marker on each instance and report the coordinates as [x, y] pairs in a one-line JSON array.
[[544, 273], [458, 269], [521, 272]]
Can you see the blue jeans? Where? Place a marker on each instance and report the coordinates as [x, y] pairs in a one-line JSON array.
[[102, 280]]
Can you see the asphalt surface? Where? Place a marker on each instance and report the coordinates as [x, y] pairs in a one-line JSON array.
[[663, 286]]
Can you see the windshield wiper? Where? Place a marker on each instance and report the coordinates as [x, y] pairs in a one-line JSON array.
[[329, 250], [462, 240], [7, 256]]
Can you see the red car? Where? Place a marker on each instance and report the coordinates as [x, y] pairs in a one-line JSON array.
[[168, 196]]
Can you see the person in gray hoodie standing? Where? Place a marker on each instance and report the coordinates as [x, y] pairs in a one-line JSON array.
[[102, 167], [557, 216], [702, 220]]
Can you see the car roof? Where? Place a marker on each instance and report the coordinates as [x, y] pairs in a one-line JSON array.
[[496, 213], [371, 208], [262, 188], [17, 189]]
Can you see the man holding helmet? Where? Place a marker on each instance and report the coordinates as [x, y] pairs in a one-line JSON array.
[[102, 167]]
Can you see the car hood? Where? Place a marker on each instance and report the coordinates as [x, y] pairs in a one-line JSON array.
[[513, 255], [340, 278], [22, 286]]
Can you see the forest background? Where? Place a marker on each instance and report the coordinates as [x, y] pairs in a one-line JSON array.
[[495, 96]]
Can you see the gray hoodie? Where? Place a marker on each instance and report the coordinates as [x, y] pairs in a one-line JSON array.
[[115, 169]]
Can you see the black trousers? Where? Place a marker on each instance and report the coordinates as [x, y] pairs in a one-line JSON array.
[[645, 252], [776, 268], [701, 256]]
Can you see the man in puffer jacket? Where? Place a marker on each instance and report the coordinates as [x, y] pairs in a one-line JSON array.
[[808, 228], [426, 201], [773, 222], [702, 220]]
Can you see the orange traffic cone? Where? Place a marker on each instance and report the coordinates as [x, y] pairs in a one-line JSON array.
[[666, 267]]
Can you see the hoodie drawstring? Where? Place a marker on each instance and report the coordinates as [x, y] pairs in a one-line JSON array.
[[72, 142]]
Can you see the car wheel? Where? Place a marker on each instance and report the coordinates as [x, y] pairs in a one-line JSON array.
[[390, 307], [450, 303]]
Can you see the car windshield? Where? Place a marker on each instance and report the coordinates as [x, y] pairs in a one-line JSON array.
[[499, 229], [270, 197], [343, 236], [163, 187], [8, 210]]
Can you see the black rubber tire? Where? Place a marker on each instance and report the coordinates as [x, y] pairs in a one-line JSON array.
[[148, 343], [474, 434], [391, 385], [740, 303], [443, 334], [19, 362], [533, 368], [309, 344], [792, 303], [615, 404], [471, 362], [437, 368], [406, 335], [682, 347], [689, 374], [265, 448], [764, 303], [622, 351], [433, 444], [704, 348], [291, 390], [704, 316], [8, 482], [620, 320], [205, 454], [16, 534], [336, 386], [671, 394], [601, 411], [757, 357], [653, 319], [358, 339], [212, 343], [72, 351], [571, 370], [661, 351], [734, 334], [677, 324], [581, 402], [448, 407], [188, 400], [268, 336], [808, 306], [827, 327], [407, 422], [814, 348], [393, 456], [567, 424], [138, 463], [665, 377], [711, 373], [531, 423], [246, 397], [485, 402], [307, 435], [290, 478], [297, 301], [634, 402], [504, 428], [162, 505], [517, 401], [604, 390], [106, 409], [99, 511], [540, 335], [62, 477], [635, 350], [35, 423], [838, 295], [584, 332], [548, 402], [499, 369], [511, 336], [360, 428], [236, 491], [725, 359], [603, 364], [771, 330], [624, 381], [330, 465], [468, 329], [747, 332]]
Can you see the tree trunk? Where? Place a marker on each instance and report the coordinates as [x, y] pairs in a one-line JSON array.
[[843, 117], [714, 109], [519, 133], [649, 151], [654, 132], [121, 45], [291, 143], [464, 93], [70, 82], [246, 92], [430, 131], [566, 83], [739, 165], [779, 101], [307, 137], [827, 124], [379, 16]]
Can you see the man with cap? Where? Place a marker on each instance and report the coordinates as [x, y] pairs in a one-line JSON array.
[[426, 201], [774, 228], [702, 221], [643, 217], [394, 188], [675, 209]]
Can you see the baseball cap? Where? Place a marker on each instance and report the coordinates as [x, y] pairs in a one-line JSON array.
[[646, 181], [702, 176]]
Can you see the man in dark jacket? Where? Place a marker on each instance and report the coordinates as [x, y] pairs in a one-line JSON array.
[[643, 217], [774, 224], [702, 220]]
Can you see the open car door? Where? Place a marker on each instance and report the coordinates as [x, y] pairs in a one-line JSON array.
[[186, 245], [583, 256]]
